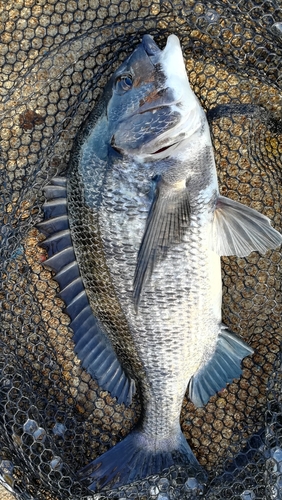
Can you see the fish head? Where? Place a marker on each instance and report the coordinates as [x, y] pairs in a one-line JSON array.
[[152, 107]]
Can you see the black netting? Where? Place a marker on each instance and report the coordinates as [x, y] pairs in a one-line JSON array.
[[55, 56]]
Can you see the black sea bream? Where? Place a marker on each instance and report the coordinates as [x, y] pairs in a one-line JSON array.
[[135, 235]]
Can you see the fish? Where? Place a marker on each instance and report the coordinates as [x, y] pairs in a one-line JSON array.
[[134, 233]]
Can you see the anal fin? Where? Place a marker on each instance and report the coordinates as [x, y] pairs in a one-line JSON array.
[[92, 344], [221, 369]]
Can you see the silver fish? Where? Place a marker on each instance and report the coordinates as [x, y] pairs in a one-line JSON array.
[[135, 235]]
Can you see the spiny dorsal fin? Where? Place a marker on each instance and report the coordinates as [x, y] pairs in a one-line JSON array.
[[167, 221], [92, 345], [240, 230]]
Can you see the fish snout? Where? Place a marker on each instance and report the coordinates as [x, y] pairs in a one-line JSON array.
[[150, 46]]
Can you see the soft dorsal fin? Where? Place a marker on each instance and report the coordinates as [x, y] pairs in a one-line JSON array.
[[92, 344], [167, 221], [240, 230]]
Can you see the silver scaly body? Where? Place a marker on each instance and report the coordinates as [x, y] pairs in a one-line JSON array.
[[135, 235], [179, 314]]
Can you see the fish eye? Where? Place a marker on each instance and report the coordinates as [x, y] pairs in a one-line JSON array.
[[124, 83]]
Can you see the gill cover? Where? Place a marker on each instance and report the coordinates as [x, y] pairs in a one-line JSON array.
[[158, 107]]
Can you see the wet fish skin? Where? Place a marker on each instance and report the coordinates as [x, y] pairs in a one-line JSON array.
[[148, 226], [158, 207]]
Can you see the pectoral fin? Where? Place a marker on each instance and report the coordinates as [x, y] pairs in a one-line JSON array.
[[167, 221], [221, 369], [240, 230]]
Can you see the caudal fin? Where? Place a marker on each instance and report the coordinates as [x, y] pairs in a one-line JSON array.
[[137, 457]]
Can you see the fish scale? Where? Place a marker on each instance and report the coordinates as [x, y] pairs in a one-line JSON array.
[[163, 334], [163, 232], [147, 227]]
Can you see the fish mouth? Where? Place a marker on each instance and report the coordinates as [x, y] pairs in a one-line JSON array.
[[166, 148], [162, 151]]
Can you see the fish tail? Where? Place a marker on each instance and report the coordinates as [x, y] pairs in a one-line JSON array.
[[137, 457]]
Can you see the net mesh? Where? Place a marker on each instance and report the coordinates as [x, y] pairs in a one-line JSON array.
[[55, 58]]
